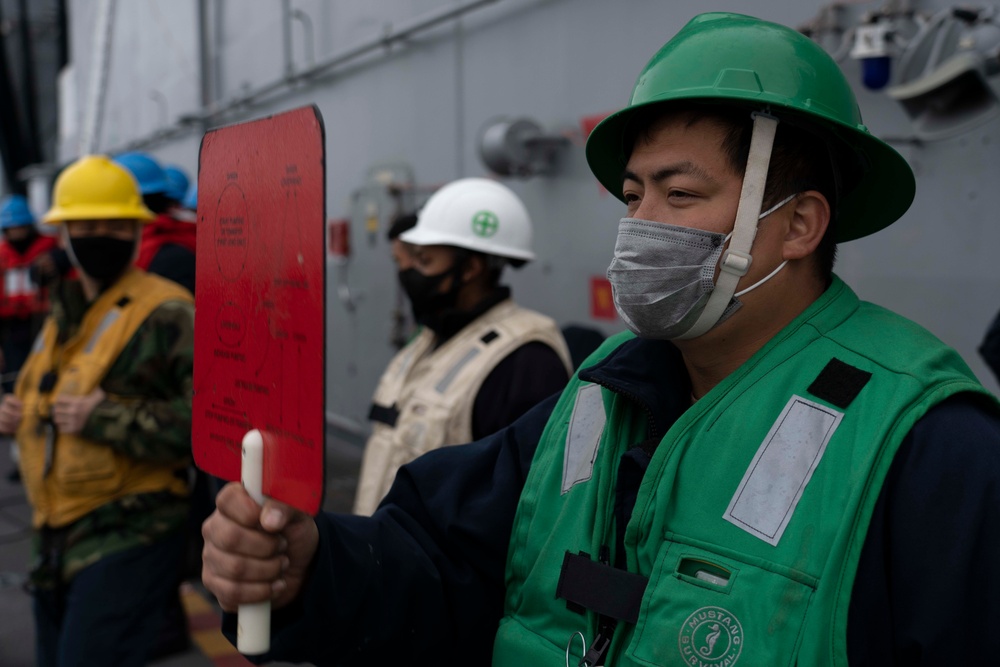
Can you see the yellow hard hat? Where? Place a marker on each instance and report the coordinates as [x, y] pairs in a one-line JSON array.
[[95, 188]]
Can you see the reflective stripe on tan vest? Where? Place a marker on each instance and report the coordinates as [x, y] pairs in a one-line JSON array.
[[431, 392], [68, 476]]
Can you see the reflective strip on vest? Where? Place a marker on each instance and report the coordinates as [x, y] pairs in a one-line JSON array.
[[17, 282], [450, 376], [109, 319], [39, 343], [586, 427], [784, 463]]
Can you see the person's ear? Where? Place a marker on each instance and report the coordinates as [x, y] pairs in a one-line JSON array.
[[809, 222], [475, 266]]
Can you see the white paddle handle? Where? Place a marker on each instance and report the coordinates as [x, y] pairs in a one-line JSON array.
[[253, 621]]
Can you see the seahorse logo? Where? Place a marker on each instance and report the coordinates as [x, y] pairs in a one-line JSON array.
[[711, 637]]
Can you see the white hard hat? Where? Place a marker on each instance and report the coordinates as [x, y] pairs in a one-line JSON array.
[[477, 214]]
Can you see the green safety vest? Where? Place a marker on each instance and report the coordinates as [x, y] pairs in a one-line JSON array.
[[751, 517]]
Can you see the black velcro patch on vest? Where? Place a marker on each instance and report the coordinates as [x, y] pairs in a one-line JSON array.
[[384, 415], [839, 383], [490, 337], [600, 588], [124, 301]]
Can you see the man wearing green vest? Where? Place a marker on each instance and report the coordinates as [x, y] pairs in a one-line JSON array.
[[764, 471]]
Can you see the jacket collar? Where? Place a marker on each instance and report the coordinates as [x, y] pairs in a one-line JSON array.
[[650, 373]]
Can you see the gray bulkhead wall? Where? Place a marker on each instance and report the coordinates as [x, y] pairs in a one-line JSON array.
[[415, 111]]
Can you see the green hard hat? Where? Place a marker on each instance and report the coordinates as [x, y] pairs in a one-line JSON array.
[[740, 60]]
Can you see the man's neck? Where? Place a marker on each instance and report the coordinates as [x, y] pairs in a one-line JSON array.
[[94, 288], [446, 325], [711, 358]]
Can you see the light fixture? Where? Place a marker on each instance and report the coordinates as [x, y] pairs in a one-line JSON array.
[[872, 46], [518, 147], [947, 80]]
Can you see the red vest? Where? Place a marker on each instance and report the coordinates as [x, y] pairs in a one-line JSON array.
[[20, 297], [164, 231]]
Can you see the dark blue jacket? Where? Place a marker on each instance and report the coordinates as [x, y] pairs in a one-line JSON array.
[[422, 581]]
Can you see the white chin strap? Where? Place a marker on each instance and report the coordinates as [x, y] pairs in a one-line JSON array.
[[736, 259]]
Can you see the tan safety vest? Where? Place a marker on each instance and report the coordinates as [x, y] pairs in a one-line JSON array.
[[430, 393], [67, 476]]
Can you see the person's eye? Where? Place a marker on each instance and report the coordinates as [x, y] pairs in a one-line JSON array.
[[632, 201], [681, 196]]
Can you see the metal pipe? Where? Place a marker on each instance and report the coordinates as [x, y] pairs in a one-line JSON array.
[[94, 111], [384, 41], [31, 143], [62, 40], [391, 36], [286, 36], [459, 98], [204, 63], [388, 38], [11, 153], [307, 34], [220, 34]]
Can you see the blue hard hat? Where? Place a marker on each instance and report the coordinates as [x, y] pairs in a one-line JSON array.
[[178, 182], [14, 212], [191, 200], [147, 171]]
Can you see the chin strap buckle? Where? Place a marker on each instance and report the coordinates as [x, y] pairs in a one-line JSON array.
[[736, 262]]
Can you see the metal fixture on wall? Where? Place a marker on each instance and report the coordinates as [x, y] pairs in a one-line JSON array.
[[289, 83], [519, 147], [307, 34], [874, 46], [943, 69], [947, 75]]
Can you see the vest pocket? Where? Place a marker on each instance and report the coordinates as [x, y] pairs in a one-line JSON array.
[[85, 468], [707, 609], [422, 427]]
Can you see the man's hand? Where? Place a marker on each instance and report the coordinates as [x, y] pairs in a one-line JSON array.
[[11, 412], [255, 553], [69, 413]]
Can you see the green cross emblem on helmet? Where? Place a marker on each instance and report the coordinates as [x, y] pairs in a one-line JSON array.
[[485, 224]]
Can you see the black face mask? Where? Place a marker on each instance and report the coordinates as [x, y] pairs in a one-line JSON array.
[[427, 302], [103, 258]]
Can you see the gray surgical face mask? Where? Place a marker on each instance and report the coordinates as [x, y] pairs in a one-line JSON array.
[[662, 276]]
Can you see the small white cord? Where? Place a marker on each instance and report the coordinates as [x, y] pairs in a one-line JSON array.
[[569, 644]]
